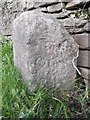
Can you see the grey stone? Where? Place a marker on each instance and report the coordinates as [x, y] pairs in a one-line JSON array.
[[1, 25], [35, 4], [62, 5], [68, 22], [80, 22], [83, 40], [65, 1], [89, 11], [74, 30], [62, 15], [43, 1], [54, 8], [44, 9], [51, 1], [87, 27], [65, 13], [85, 73], [9, 11], [31, 5], [43, 50], [74, 22], [84, 58], [7, 23]]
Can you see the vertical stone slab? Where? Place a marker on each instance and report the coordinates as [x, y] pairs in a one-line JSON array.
[[82, 40], [84, 58], [43, 50], [85, 73]]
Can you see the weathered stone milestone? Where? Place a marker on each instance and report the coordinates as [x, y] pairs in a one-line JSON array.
[[43, 50]]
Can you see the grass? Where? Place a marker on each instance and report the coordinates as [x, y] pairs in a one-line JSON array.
[[17, 102]]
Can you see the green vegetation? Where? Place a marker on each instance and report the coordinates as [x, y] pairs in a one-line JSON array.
[[81, 13], [84, 13], [17, 102]]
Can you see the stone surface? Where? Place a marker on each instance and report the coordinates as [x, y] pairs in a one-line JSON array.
[[7, 23], [65, 1], [52, 1], [10, 10], [62, 15], [83, 40], [68, 22], [89, 10], [43, 50], [79, 23], [1, 25], [74, 30], [66, 13], [87, 27], [85, 73], [74, 22], [44, 9], [54, 8], [84, 59], [35, 4], [43, 1]]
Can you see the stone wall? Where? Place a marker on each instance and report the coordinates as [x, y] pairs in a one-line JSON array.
[[66, 11]]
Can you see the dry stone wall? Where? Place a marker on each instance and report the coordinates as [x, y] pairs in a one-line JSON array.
[[65, 11]]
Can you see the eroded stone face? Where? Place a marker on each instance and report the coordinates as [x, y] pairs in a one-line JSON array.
[[43, 50]]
